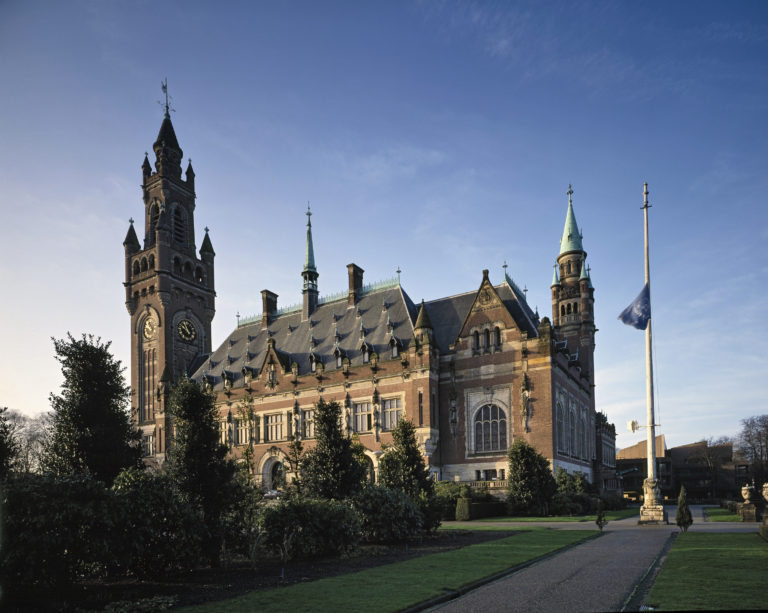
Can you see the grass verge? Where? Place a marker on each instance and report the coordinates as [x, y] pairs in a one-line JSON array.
[[714, 571], [396, 586], [718, 514], [609, 515]]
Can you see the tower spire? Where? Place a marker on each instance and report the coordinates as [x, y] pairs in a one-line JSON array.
[[571, 240], [309, 274]]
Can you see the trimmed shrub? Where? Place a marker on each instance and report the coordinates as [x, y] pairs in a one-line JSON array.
[[612, 502], [57, 531], [463, 512], [301, 527], [387, 515], [478, 510]]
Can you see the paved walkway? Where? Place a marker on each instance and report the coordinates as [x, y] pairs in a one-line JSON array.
[[599, 575]]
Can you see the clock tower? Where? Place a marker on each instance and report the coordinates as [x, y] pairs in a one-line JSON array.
[[169, 290]]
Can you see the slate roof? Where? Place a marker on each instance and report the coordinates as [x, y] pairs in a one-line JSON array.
[[333, 325], [297, 340]]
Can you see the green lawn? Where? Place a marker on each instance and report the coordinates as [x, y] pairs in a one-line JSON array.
[[609, 515], [395, 586], [718, 514], [715, 571]]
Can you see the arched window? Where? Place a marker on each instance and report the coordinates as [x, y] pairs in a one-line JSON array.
[[569, 268], [199, 275], [151, 261], [572, 432], [562, 309], [497, 334], [188, 270], [154, 214], [568, 308], [475, 340], [487, 339], [490, 429], [176, 266], [560, 428], [179, 225], [143, 264], [136, 268], [575, 307]]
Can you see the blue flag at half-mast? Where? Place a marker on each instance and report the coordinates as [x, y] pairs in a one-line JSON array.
[[638, 313]]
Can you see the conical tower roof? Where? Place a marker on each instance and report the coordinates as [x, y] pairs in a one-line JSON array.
[[131, 240], [422, 320], [571, 240], [167, 136]]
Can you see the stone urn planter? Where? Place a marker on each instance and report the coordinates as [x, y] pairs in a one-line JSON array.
[[746, 492]]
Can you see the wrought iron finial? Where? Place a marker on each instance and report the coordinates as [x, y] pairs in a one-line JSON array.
[[167, 103], [645, 196], [398, 271], [130, 220], [206, 229], [570, 193], [309, 215]]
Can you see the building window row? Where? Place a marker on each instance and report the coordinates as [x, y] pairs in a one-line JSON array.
[[486, 340]]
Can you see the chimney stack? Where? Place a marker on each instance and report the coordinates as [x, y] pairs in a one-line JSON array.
[[268, 307], [355, 283]]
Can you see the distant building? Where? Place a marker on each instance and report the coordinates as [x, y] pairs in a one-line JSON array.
[[472, 371], [706, 472], [632, 467], [606, 478]]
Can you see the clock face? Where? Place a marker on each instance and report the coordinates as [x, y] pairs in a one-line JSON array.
[[149, 328], [186, 330]]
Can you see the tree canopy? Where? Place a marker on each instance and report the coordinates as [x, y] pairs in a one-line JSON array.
[[332, 469], [752, 444], [10, 450], [402, 465], [197, 460], [531, 484], [91, 429]]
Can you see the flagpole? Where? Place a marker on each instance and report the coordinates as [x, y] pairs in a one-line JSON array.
[[652, 510], [651, 442]]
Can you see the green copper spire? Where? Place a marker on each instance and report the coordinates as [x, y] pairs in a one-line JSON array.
[[571, 240], [309, 258]]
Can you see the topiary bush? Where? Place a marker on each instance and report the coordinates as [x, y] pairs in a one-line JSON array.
[[463, 512], [387, 515], [302, 527]]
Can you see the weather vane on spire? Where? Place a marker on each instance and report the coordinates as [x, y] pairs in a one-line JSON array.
[[309, 214], [167, 104], [570, 193]]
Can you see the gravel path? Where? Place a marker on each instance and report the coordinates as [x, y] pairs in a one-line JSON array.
[[599, 575]]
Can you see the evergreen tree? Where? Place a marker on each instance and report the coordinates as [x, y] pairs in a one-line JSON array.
[[91, 430], [9, 446], [531, 484], [683, 518], [197, 460], [331, 469], [402, 466]]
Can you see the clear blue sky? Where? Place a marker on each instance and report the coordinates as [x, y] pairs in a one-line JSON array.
[[439, 137]]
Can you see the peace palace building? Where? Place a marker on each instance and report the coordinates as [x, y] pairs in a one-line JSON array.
[[472, 371]]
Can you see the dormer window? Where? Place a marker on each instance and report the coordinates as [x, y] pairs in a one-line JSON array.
[[313, 363], [366, 355]]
